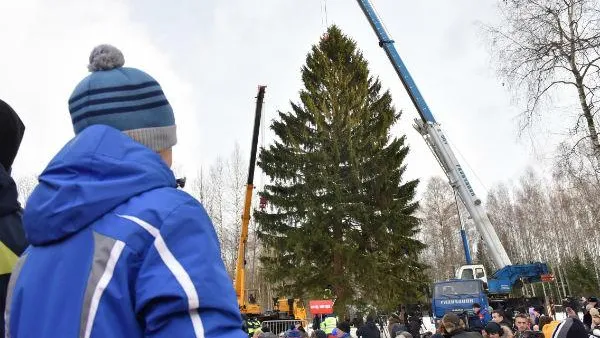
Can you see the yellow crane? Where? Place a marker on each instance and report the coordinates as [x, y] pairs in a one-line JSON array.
[[246, 306], [283, 308]]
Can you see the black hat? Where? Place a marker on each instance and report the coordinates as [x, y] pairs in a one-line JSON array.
[[493, 327], [344, 326], [476, 305], [593, 299]]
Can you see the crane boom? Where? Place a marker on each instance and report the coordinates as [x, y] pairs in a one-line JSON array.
[[437, 142], [240, 271]]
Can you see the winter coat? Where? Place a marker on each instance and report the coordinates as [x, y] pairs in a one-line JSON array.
[[463, 334], [320, 334], [395, 328], [117, 251], [369, 330], [478, 321], [12, 235]]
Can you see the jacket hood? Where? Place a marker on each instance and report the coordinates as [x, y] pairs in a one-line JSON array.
[[96, 171], [8, 194], [11, 135]]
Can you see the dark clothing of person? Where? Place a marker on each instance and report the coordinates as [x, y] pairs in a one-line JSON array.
[[369, 330], [463, 334], [12, 235]]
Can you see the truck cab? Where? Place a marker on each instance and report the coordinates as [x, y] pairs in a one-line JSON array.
[[457, 296], [473, 271]]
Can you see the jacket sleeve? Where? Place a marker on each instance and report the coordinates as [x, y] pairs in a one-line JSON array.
[[182, 287], [487, 317]]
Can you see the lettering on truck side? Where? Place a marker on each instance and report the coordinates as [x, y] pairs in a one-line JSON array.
[[457, 301], [464, 177]]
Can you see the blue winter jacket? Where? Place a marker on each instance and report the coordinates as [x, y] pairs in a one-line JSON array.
[[117, 251]]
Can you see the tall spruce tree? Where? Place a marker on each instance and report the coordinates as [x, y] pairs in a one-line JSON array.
[[340, 215]]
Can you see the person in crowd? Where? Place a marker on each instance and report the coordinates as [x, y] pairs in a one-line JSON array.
[[342, 330], [117, 250], [592, 303], [267, 333], [571, 327], [12, 235], [495, 330], [499, 316], [521, 322], [479, 319], [452, 326], [369, 329], [595, 326], [396, 324], [329, 324]]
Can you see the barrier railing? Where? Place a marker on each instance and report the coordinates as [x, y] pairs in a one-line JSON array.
[[280, 326]]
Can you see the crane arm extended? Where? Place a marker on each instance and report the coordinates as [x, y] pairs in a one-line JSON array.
[[240, 273], [437, 142], [387, 44]]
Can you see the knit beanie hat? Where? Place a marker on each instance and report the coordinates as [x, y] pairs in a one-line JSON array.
[[124, 98]]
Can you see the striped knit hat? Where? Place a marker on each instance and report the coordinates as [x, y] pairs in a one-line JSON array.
[[124, 98]]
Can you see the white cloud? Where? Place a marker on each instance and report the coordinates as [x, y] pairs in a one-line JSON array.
[[49, 48]]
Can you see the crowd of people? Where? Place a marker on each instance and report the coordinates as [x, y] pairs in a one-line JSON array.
[[536, 323]]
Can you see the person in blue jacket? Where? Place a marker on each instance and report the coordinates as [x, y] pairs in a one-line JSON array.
[[479, 319], [116, 249]]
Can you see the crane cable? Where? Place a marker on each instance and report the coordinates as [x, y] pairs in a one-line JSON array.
[[324, 20], [464, 160]]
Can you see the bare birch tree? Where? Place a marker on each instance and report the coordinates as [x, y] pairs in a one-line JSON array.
[[546, 49], [25, 186], [441, 228]]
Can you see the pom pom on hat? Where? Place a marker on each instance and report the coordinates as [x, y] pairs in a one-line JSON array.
[[105, 57]]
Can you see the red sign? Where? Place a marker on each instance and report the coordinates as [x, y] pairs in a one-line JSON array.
[[547, 278], [321, 307]]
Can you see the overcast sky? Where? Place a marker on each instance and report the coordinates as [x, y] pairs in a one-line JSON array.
[[210, 56]]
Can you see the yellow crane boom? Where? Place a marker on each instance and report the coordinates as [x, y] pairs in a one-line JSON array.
[[247, 307]]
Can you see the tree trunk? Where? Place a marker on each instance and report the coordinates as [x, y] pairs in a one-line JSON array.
[[556, 279], [338, 287], [566, 280], [585, 107]]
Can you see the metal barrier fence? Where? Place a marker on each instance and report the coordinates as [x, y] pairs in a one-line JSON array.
[[280, 326]]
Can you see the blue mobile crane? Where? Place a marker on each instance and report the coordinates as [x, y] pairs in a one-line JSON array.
[[471, 280]]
